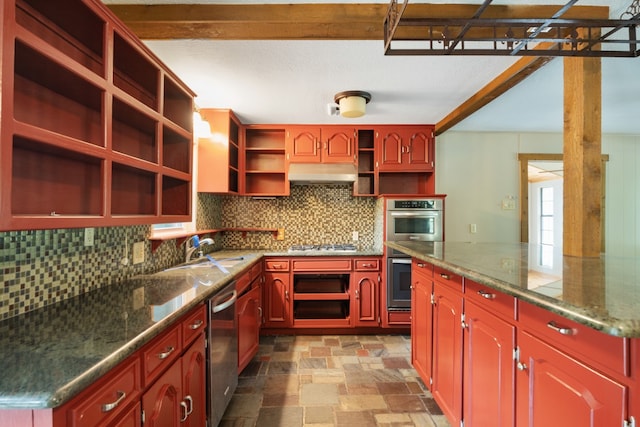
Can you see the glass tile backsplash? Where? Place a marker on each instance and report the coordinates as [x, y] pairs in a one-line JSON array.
[[42, 267]]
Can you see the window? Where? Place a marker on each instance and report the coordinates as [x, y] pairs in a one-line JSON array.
[[546, 226]]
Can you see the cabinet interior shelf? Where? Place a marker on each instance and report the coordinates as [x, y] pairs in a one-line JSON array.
[[321, 296], [181, 237]]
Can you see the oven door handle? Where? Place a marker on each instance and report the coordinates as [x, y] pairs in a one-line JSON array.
[[429, 214], [400, 260]]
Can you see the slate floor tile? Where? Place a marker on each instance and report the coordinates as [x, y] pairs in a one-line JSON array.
[[329, 381]]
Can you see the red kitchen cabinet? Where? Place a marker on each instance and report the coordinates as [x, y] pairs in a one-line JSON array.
[[489, 372], [219, 154], [447, 344], [277, 294], [103, 137], [555, 389], [338, 144], [249, 322], [406, 148], [421, 319], [366, 296], [194, 368], [161, 402], [327, 144], [265, 170]]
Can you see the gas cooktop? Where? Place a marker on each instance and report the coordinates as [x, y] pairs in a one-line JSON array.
[[348, 247]]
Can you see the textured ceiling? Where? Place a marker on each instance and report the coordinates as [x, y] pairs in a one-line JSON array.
[[294, 81]]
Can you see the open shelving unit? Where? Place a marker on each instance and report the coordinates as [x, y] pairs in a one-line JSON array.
[[366, 184], [265, 162], [96, 130]]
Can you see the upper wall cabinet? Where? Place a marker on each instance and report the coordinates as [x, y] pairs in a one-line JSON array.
[[95, 130], [219, 154], [406, 148], [326, 144]]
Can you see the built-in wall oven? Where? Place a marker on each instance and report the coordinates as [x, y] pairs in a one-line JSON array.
[[408, 219]]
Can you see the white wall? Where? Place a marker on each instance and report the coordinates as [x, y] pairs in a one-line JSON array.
[[477, 170]]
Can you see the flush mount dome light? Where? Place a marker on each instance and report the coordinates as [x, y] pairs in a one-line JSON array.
[[352, 102]]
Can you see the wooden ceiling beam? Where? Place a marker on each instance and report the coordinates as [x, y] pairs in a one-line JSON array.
[[326, 21]]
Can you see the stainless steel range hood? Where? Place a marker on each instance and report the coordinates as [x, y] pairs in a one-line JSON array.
[[318, 173]]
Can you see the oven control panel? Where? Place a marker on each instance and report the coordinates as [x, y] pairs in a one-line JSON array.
[[429, 204]]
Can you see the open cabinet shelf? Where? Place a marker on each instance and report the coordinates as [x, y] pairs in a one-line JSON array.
[[88, 144]]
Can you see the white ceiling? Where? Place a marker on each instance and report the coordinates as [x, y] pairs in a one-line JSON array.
[[294, 81]]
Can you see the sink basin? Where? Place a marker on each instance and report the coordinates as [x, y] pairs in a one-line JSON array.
[[209, 262]]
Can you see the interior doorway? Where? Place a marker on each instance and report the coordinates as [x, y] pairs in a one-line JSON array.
[[545, 170]]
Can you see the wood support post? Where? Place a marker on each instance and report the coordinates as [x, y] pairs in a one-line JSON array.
[[582, 157]]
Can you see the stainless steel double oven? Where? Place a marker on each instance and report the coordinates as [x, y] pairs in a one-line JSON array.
[[408, 219]]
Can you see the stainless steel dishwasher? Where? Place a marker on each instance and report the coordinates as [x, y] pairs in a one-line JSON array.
[[222, 353]]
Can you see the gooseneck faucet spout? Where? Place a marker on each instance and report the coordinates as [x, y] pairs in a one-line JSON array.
[[194, 244]]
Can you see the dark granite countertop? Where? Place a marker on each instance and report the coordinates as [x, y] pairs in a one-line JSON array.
[[51, 354], [602, 293]]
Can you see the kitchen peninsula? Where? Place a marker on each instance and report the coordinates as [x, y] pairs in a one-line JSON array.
[[498, 336]]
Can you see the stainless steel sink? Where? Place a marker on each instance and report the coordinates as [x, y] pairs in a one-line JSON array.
[[209, 262]]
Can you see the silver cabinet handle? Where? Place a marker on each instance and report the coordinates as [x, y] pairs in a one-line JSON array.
[[286, 295], [367, 265], [357, 296], [486, 295], [166, 354], [445, 276], [421, 265], [107, 407], [189, 399], [521, 366], [260, 314], [196, 325], [186, 414], [559, 329]]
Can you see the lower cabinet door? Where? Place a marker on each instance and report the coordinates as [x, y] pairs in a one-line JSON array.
[[161, 402], [249, 320], [447, 352], [489, 370], [553, 389], [194, 371], [421, 327]]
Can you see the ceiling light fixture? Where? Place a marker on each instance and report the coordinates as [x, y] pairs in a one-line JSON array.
[[351, 103]]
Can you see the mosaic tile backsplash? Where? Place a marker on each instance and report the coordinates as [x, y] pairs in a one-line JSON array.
[[42, 267]]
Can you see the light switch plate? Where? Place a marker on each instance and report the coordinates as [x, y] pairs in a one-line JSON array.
[[138, 252], [88, 236]]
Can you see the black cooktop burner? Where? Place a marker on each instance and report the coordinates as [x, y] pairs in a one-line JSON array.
[[348, 247]]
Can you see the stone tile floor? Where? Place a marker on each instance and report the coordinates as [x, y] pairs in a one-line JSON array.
[[326, 381]]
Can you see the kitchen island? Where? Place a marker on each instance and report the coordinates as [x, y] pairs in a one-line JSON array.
[[516, 334], [602, 293]]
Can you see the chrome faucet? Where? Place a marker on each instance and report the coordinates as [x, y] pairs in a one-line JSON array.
[[194, 244]]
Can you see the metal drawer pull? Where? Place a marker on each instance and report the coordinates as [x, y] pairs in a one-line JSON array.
[[196, 325], [367, 265], [357, 295], [421, 265], [166, 354], [521, 366], [487, 295], [559, 329], [107, 407], [445, 276]]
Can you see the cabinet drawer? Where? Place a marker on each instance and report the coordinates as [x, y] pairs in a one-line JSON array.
[[276, 265], [367, 264], [256, 271], [108, 398], [604, 352], [243, 282], [193, 325], [160, 353], [333, 264], [399, 317], [496, 302], [425, 268], [446, 277]]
